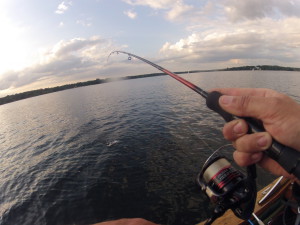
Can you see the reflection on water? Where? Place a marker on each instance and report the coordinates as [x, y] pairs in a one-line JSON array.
[[123, 149]]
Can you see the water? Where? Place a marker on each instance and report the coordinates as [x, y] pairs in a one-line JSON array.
[[123, 149]]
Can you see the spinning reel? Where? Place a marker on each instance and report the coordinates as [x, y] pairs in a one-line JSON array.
[[227, 187]]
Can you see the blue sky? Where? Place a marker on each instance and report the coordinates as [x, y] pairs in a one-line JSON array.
[[49, 43]]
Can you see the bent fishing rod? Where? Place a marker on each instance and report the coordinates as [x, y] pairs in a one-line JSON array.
[[287, 157]]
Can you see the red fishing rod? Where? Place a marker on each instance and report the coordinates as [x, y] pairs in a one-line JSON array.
[[175, 76], [287, 157]]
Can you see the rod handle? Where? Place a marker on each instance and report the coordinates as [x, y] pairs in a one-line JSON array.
[[287, 157], [212, 102]]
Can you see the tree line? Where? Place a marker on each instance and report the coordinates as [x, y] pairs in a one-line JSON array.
[[42, 91]]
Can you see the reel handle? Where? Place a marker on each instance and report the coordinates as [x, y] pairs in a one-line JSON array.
[[287, 157]]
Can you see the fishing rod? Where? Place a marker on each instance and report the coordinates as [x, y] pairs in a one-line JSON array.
[[175, 76], [287, 157], [225, 186]]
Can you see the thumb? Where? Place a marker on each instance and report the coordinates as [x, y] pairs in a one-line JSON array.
[[279, 114], [248, 106]]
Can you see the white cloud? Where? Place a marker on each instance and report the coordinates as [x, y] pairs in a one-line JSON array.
[[75, 59], [178, 10], [156, 4], [234, 10], [255, 9], [246, 41], [224, 32], [174, 10], [86, 23], [63, 7], [131, 14]]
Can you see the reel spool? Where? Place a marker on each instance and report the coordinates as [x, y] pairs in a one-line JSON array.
[[227, 187]]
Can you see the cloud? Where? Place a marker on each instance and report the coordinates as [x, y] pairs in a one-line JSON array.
[[233, 10], [63, 7], [7, 79], [246, 40], [131, 14], [86, 23], [174, 10], [219, 32], [224, 32], [71, 60], [255, 9], [156, 4], [178, 10]]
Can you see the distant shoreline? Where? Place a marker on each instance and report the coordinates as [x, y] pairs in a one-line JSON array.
[[33, 93]]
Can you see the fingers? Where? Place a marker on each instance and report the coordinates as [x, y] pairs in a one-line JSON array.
[[249, 147], [259, 92], [248, 106], [252, 143], [239, 106], [246, 159], [252, 102], [272, 166], [279, 115], [236, 131]]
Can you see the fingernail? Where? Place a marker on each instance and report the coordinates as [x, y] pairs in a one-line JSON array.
[[226, 100], [238, 128], [262, 141]]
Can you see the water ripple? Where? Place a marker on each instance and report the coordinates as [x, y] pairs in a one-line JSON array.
[[123, 149]]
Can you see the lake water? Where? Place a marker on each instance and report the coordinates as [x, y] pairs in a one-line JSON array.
[[123, 149]]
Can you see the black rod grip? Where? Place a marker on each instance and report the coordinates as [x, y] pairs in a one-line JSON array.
[[287, 157], [212, 102]]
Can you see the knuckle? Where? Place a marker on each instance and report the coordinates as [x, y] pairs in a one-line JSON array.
[[228, 131], [244, 104], [234, 129], [275, 102], [274, 108], [246, 143]]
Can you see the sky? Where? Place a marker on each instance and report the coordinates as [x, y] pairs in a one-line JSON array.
[[49, 43]]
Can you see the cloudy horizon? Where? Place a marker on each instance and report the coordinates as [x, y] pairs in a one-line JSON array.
[[45, 44]]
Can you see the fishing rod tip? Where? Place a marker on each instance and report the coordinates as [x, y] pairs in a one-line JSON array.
[[111, 53]]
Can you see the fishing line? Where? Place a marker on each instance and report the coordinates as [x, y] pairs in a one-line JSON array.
[[195, 88], [201, 139], [215, 152]]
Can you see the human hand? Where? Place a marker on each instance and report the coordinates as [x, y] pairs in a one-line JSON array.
[[281, 119]]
